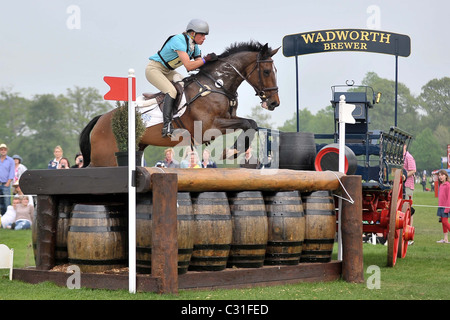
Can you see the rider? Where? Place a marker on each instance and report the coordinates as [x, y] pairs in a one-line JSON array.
[[180, 49]]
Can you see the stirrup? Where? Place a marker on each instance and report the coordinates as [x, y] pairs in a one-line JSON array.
[[167, 131]]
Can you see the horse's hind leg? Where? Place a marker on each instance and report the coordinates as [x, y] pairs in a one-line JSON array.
[[245, 138]]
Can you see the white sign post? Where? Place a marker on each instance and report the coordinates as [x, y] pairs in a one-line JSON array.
[[131, 186], [345, 116]]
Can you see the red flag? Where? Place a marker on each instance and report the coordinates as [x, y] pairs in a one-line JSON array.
[[119, 89]]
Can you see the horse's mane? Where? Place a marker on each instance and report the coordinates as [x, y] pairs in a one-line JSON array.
[[241, 47], [250, 46]]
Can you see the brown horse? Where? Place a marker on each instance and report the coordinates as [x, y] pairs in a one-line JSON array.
[[215, 108]]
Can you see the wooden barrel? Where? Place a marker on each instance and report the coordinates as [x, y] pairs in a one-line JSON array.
[[250, 229], [97, 237], [185, 232], [297, 150], [62, 228], [144, 210], [320, 226], [286, 227], [213, 231]]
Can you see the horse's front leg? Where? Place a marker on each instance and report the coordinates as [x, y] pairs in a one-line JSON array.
[[245, 138]]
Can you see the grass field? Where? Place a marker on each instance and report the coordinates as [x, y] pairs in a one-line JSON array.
[[422, 275]]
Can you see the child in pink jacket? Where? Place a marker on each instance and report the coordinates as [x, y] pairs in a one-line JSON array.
[[444, 203]]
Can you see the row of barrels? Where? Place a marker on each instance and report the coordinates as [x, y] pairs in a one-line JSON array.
[[215, 230]]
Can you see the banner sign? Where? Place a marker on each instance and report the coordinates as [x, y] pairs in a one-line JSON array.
[[346, 40]]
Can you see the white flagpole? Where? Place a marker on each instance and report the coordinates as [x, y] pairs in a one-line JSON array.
[[341, 168], [345, 116], [131, 186]]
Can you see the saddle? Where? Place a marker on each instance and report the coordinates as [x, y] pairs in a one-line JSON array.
[[159, 96]]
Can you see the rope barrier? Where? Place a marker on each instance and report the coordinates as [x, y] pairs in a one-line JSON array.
[[428, 206], [337, 196]]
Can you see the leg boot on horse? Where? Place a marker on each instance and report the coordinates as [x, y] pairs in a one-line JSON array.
[[167, 129]]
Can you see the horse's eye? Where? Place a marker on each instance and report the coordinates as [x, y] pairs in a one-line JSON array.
[[266, 73]]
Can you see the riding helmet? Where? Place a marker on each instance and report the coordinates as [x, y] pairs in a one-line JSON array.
[[197, 25]]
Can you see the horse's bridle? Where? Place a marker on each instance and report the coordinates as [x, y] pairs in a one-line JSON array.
[[261, 92]]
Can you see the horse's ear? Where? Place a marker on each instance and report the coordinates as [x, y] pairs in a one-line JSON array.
[[265, 51], [274, 51]]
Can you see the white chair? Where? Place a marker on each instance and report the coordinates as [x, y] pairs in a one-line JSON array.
[[6, 259]]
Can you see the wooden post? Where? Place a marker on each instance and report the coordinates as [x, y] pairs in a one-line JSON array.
[[351, 219], [164, 231], [46, 216]]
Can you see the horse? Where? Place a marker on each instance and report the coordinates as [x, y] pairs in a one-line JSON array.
[[211, 99]]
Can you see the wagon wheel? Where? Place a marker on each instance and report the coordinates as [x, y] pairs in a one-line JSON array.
[[394, 233], [407, 233]]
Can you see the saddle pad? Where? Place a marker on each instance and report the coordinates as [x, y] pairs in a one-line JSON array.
[[152, 115]]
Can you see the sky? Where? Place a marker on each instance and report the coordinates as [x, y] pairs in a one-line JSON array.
[[49, 46]]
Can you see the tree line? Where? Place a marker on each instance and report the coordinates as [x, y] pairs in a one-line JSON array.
[[33, 127]]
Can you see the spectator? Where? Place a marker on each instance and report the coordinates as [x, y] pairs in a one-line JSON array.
[[6, 178], [58, 153], [24, 214], [169, 161], [10, 215], [409, 164], [184, 163], [424, 182], [19, 167], [444, 203], [63, 164], [207, 162], [18, 192], [249, 161], [193, 160], [78, 160]]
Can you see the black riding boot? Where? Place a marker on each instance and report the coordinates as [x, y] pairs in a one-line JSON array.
[[167, 129]]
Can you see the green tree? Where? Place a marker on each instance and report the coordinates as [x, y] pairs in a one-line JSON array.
[[382, 115], [435, 101], [13, 109], [47, 121], [321, 122], [82, 105], [261, 116], [426, 151], [32, 128]]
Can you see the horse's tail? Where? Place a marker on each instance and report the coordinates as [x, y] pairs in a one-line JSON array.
[[85, 141]]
